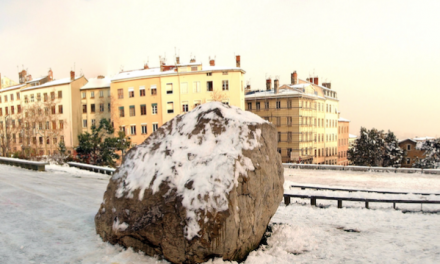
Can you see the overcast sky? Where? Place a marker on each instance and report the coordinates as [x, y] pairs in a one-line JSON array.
[[382, 57]]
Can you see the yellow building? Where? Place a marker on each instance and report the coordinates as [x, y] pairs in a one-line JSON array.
[[305, 115], [7, 82], [95, 102], [51, 114], [143, 100]]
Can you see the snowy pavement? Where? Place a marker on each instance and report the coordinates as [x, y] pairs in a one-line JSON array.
[[48, 217]]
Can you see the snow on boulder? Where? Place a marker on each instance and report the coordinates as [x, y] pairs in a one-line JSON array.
[[206, 184]]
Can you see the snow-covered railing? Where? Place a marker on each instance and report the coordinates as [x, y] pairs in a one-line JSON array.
[[313, 199], [359, 168], [99, 169], [27, 164], [303, 187]]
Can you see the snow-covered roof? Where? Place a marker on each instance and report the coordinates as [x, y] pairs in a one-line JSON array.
[[281, 93], [407, 139], [423, 138], [343, 120], [52, 83], [189, 64], [12, 88], [36, 80], [152, 72], [97, 83], [352, 136]]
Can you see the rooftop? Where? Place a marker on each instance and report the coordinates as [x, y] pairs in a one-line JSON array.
[[97, 83], [12, 88], [52, 83], [343, 120]]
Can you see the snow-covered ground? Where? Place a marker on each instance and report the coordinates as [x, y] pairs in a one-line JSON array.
[[48, 217]]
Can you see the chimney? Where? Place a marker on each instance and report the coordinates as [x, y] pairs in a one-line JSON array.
[[50, 75], [328, 85], [22, 77], [275, 85], [101, 76], [211, 62], [177, 60], [268, 84], [162, 64], [294, 78], [146, 66], [29, 78], [72, 75], [315, 81], [237, 61], [192, 60]]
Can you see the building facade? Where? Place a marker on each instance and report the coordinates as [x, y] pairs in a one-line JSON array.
[[412, 153], [306, 116], [143, 100], [343, 140], [95, 102]]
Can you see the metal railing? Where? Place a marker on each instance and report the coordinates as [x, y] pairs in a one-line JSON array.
[[99, 169], [27, 164]]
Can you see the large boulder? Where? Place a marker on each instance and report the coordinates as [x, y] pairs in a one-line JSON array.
[[206, 184]]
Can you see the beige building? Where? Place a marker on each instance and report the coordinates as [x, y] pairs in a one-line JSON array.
[[306, 116], [7, 82], [95, 102], [343, 140], [143, 100]]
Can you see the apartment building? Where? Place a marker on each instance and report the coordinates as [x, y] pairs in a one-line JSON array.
[[306, 116], [6, 82], [412, 153], [343, 140], [95, 102], [143, 100]]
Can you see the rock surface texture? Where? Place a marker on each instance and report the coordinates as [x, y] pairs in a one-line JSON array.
[[206, 184]]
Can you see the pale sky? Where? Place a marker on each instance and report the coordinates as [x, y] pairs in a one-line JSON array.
[[382, 57]]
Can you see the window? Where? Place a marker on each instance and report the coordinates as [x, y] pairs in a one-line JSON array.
[[1, 111], [52, 109], [143, 109], [209, 86], [85, 123], [41, 143], [132, 110], [47, 125], [130, 92], [54, 125], [225, 85], [184, 88], [153, 90], [196, 87], [209, 74], [133, 129], [155, 127], [170, 107], [257, 105], [278, 121], [120, 94], [123, 129], [185, 106], [101, 108], [6, 111], [142, 91], [83, 95], [169, 88], [108, 107], [278, 104], [93, 122], [289, 104], [266, 104], [55, 140], [408, 161], [18, 109], [92, 108], [196, 103], [92, 94], [154, 109], [32, 98], [193, 68], [279, 136], [84, 109], [6, 98], [52, 96], [60, 94], [12, 110], [144, 129], [101, 94], [45, 97], [225, 73], [249, 106], [408, 147], [61, 124], [18, 96], [289, 136], [12, 97], [289, 121], [121, 111]]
